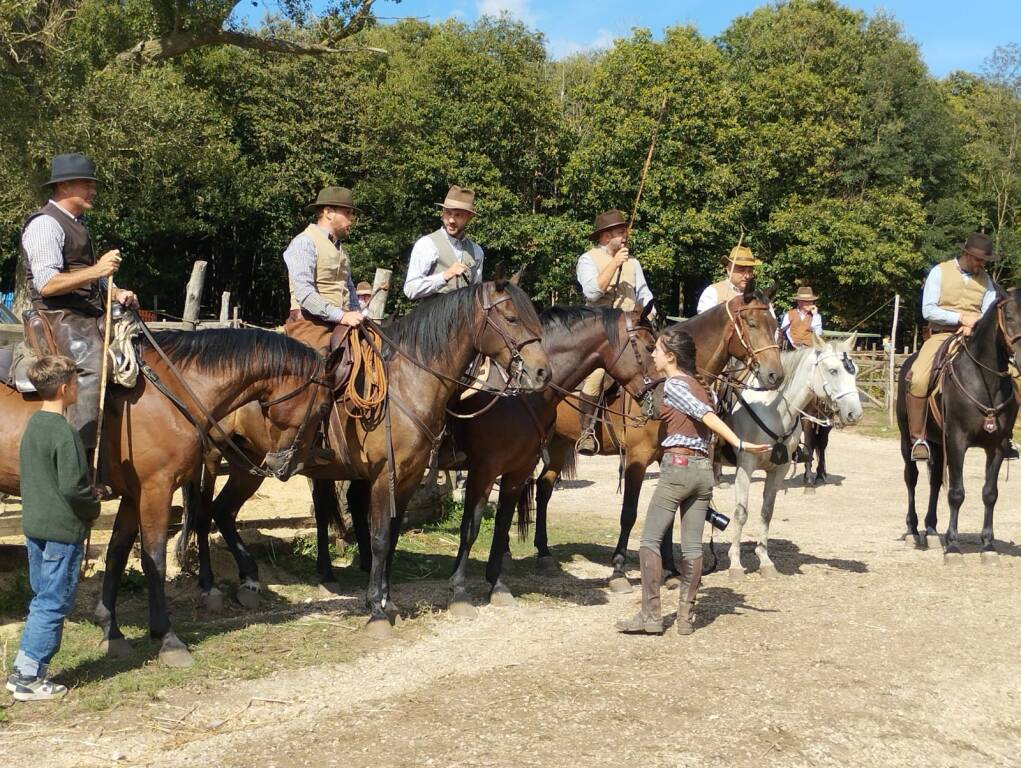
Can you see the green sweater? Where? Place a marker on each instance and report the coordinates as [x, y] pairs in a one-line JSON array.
[[56, 498]]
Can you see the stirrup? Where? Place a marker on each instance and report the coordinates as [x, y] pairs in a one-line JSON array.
[[921, 443], [590, 441]]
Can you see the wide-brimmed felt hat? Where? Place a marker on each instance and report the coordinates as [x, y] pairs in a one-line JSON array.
[[607, 220], [71, 167], [363, 287], [742, 256], [805, 293], [336, 197], [459, 199], [980, 245]]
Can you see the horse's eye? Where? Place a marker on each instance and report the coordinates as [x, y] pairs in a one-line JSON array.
[[833, 371], [512, 319]]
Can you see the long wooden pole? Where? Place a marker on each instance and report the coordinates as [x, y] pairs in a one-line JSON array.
[[104, 372], [890, 394]]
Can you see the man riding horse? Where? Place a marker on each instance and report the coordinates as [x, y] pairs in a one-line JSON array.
[[446, 259], [609, 277], [319, 271], [741, 264], [956, 294], [67, 283]]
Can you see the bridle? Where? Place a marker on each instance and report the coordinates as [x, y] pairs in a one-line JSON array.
[[848, 365], [739, 329], [643, 397], [515, 368]]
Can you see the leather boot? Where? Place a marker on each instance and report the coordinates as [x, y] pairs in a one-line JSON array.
[[587, 444], [449, 456], [1010, 451], [649, 620], [916, 407], [691, 577]]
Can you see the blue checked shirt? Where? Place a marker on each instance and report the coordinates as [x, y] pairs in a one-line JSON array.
[[679, 396], [300, 258]]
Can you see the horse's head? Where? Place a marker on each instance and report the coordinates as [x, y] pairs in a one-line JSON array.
[[752, 336], [509, 332], [630, 359], [294, 407], [1009, 310], [834, 380]]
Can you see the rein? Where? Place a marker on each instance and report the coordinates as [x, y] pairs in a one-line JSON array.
[[740, 330]]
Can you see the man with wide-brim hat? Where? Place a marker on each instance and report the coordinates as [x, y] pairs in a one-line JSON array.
[[609, 276], [364, 292], [446, 259], [740, 265], [955, 296], [68, 284], [319, 272], [803, 322]]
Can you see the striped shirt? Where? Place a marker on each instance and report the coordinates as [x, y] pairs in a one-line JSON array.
[[43, 241], [300, 258], [679, 396]]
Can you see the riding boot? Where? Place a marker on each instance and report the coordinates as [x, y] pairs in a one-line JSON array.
[[649, 620], [588, 445], [449, 456], [691, 577], [916, 407], [1010, 451]]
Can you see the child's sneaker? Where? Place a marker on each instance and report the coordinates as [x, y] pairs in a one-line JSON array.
[[34, 689], [15, 679]]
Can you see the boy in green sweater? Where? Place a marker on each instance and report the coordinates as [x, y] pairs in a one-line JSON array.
[[58, 506]]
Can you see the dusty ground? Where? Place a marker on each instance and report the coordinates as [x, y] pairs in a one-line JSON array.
[[861, 652]]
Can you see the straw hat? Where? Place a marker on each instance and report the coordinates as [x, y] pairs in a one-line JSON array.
[[741, 256], [363, 288], [459, 199]]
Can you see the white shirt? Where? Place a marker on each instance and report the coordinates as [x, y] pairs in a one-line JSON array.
[[933, 312], [785, 324], [587, 274], [708, 299], [420, 283]]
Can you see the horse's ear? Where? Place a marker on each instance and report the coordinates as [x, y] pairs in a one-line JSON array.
[[643, 319], [516, 277], [818, 343], [769, 293], [500, 278], [749, 291], [849, 342]]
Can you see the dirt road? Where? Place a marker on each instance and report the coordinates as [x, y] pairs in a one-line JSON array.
[[860, 652]]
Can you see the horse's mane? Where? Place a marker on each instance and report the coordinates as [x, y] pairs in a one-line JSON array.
[[565, 318], [246, 351], [425, 331], [791, 359]]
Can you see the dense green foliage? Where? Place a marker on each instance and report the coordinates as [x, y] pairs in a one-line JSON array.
[[814, 130]]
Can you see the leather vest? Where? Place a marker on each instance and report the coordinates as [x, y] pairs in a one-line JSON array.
[[800, 329], [446, 257], [78, 253], [679, 423], [333, 270], [622, 295]]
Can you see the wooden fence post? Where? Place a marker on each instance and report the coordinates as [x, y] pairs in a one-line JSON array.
[[225, 307], [891, 396], [380, 290], [193, 296]]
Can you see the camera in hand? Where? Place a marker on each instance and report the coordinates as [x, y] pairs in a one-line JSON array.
[[717, 520]]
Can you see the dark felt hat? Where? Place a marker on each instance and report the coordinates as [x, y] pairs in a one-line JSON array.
[[980, 245], [805, 293], [607, 220], [336, 197], [70, 167]]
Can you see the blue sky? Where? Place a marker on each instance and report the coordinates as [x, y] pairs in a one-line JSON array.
[[952, 35]]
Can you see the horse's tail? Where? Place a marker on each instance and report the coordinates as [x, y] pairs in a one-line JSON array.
[[570, 468], [192, 497], [526, 509]]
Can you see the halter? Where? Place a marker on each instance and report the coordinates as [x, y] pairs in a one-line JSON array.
[[516, 366], [644, 396], [848, 365], [740, 330]]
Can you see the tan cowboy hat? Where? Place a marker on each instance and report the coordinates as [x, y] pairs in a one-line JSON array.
[[980, 245], [363, 288], [607, 220], [336, 197], [805, 293], [459, 199], [741, 256]]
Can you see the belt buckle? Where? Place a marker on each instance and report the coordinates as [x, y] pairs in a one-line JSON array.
[[679, 460]]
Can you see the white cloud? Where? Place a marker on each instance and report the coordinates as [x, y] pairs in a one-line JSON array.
[[518, 9], [561, 48]]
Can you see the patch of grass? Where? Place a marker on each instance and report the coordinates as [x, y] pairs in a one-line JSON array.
[[15, 592], [875, 423]]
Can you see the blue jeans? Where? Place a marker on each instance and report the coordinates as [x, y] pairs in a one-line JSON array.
[[53, 572]]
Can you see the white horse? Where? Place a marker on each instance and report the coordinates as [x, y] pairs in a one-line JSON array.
[[821, 374]]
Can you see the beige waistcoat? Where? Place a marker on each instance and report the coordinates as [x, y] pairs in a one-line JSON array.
[[332, 271], [619, 295]]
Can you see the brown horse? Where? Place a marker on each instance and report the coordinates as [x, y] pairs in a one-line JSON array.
[[577, 341], [152, 447], [437, 342], [742, 328]]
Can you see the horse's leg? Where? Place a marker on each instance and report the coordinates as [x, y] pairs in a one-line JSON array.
[[634, 476], [910, 483], [956, 447], [383, 536], [359, 502], [822, 441], [327, 507], [476, 494], [774, 478], [510, 491], [742, 485], [154, 514], [990, 492], [937, 459], [122, 539], [810, 434], [240, 487], [543, 493]]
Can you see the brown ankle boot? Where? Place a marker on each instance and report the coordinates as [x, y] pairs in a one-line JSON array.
[[587, 443], [691, 577], [649, 620], [916, 407]]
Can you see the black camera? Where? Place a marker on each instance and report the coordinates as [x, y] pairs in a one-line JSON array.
[[717, 520]]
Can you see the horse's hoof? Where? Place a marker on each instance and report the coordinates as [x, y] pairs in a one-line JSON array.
[[619, 585], [212, 601], [672, 581], [379, 629], [933, 541], [502, 598], [911, 541], [736, 574], [248, 597], [768, 571], [116, 648], [462, 609], [954, 559], [546, 564], [329, 589], [508, 559], [175, 655], [990, 557]]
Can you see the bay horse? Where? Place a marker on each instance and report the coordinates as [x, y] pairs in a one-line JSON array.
[[823, 374], [432, 346], [152, 445], [577, 341], [743, 328], [977, 407]]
